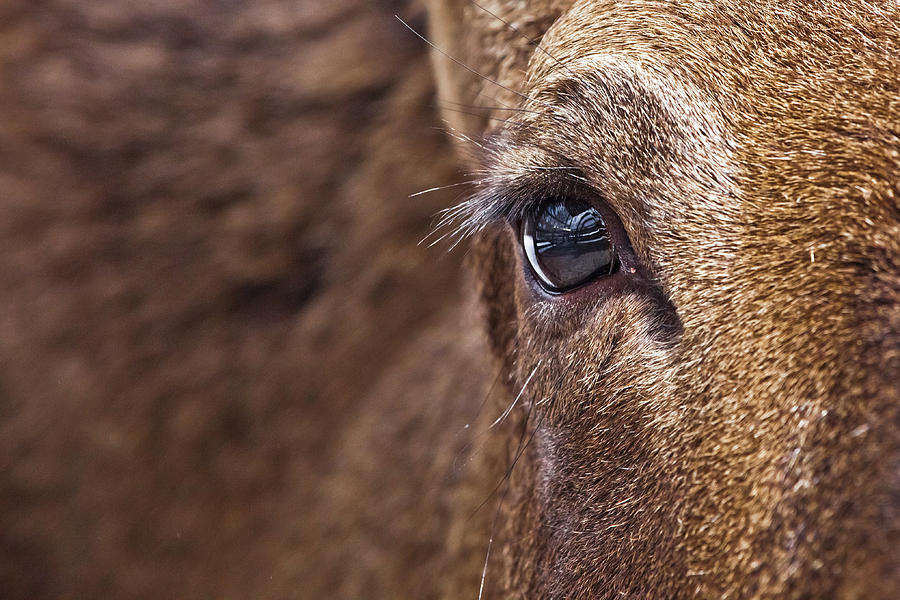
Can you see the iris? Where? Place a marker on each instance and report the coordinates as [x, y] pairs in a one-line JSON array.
[[567, 244]]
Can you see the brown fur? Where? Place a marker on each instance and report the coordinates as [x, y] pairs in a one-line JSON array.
[[227, 370], [729, 428]]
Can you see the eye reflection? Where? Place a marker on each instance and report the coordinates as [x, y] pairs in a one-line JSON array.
[[567, 244]]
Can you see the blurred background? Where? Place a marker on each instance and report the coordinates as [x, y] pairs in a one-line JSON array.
[[207, 259]]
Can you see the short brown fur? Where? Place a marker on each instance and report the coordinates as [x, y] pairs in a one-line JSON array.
[[735, 433]]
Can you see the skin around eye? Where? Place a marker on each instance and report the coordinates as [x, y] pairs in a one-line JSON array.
[[567, 244]]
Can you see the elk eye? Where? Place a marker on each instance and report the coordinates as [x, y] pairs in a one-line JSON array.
[[567, 244]]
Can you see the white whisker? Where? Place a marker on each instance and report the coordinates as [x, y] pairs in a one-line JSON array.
[[514, 402], [443, 187], [465, 66]]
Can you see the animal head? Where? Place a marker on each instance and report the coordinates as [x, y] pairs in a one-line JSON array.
[[686, 239]]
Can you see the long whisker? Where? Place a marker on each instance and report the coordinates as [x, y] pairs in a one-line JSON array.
[[524, 36], [467, 67], [476, 443], [520, 451], [505, 482], [487, 555], [478, 438], [451, 131], [505, 107], [519, 395], [475, 114], [443, 187]]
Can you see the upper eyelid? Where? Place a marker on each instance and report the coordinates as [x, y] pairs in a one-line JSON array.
[[505, 196]]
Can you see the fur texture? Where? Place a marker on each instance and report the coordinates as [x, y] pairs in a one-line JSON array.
[[227, 370], [729, 426]]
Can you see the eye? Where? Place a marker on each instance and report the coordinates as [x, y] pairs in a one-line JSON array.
[[567, 244]]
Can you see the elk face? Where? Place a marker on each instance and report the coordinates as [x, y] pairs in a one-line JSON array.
[[687, 240]]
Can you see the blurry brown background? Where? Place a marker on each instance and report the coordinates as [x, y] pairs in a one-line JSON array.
[[207, 257]]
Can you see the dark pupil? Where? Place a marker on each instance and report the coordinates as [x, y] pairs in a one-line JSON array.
[[567, 244]]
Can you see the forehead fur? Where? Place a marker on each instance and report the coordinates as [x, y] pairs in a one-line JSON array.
[[684, 116]]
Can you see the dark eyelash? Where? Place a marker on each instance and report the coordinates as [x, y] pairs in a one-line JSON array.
[[500, 198], [483, 208]]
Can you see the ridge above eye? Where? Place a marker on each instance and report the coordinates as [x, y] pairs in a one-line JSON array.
[[567, 244]]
